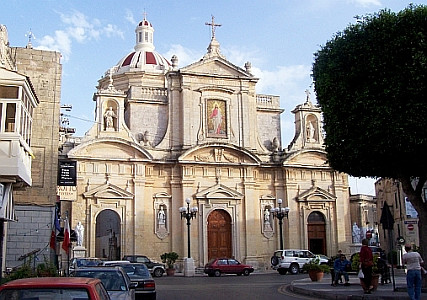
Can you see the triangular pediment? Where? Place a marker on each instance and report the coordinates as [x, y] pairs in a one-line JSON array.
[[219, 154], [307, 158], [108, 191], [215, 66], [315, 194], [219, 191], [109, 148]]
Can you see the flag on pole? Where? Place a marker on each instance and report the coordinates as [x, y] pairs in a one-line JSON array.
[[56, 220], [52, 242], [66, 242]]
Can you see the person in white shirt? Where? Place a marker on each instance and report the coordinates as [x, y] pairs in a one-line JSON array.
[[413, 262]]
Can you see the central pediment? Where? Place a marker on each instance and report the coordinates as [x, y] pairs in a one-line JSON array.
[[216, 67], [219, 154]]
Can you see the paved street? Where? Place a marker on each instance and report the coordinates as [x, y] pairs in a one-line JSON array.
[[256, 286]]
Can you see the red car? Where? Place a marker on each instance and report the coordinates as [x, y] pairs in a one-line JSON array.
[[54, 288], [218, 266]]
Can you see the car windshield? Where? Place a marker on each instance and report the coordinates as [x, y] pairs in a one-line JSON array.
[[44, 293], [112, 280], [88, 262], [136, 271]]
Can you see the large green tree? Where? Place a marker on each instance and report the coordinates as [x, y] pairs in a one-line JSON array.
[[371, 84]]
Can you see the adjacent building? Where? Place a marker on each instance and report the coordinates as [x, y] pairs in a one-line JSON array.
[[404, 215], [30, 87]]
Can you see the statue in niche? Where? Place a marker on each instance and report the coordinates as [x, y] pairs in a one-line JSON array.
[[268, 230], [161, 217], [109, 116], [311, 132], [266, 216]]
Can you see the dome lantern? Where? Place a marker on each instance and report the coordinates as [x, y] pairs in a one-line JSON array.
[[144, 35]]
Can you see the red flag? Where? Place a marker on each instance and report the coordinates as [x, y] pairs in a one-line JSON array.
[[52, 242], [66, 242]]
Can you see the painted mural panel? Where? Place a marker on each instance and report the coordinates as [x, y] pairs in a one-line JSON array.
[[217, 118]]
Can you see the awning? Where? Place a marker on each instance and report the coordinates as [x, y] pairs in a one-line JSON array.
[[7, 207]]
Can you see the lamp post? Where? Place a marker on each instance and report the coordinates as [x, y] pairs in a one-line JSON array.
[[188, 214], [279, 213]]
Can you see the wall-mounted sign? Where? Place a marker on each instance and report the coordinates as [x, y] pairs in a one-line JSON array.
[[67, 173], [68, 193]]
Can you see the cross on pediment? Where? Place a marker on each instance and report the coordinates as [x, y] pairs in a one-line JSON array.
[[213, 25]]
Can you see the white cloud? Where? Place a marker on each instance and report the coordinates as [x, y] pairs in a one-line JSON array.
[[80, 29], [185, 56], [59, 42], [129, 17], [367, 3]]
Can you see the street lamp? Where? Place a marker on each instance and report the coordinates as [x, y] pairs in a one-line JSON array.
[[279, 213], [188, 214]]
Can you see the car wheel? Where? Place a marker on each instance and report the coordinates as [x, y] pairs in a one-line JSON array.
[[294, 269], [217, 273], [274, 260], [282, 271], [246, 272], [158, 272]]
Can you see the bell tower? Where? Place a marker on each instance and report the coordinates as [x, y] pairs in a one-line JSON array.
[[308, 127]]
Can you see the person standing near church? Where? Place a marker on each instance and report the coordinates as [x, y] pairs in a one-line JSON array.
[[365, 263], [413, 262]]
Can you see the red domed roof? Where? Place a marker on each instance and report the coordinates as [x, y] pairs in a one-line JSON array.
[[144, 58]]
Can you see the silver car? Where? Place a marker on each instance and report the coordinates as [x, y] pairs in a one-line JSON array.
[[115, 280]]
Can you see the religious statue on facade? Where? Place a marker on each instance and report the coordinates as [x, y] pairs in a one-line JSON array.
[[356, 234], [79, 233], [161, 216], [109, 118]]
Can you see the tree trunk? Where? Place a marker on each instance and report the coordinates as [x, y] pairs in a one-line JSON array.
[[415, 197]]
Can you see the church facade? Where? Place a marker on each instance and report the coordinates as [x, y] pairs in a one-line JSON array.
[[164, 134]]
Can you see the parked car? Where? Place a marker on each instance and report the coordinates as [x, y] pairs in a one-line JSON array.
[[323, 259], [84, 262], [218, 266], [156, 269], [291, 260], [116, 281], [54, 288], [114, 262], [138, 273]]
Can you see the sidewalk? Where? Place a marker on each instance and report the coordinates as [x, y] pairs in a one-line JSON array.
[[324, 290]]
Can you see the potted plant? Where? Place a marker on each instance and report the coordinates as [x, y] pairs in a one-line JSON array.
[[315, 270], [169, 259]]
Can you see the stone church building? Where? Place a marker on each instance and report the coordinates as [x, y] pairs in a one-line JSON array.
[[164, 134]]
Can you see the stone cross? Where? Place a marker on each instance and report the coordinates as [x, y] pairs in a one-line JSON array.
[[213, 25]]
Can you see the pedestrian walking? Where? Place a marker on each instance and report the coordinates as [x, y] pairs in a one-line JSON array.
[[413, 262], [366, 263]]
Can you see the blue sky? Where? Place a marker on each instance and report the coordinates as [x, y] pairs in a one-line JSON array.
[[278, 37]]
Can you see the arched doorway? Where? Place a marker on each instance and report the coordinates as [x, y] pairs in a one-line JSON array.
[[316, 230], [219, 234], [107, 233]]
